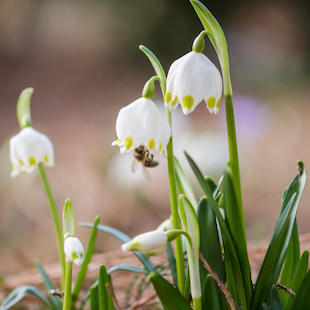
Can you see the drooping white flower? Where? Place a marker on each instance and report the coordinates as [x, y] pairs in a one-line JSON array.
[[74, 250], [141, 123], [165, 225], [28, 148], [146, 242], [192, 79]]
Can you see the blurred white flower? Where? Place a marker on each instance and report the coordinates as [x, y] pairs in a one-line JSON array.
[[141, 123], [146, 242], [74, 250], [28, 148], [191, 79]]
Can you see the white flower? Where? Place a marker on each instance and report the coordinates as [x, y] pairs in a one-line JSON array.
[[191, 79], [165, 225], [147, 242], [28, 148], [74, 250], [141, 123]]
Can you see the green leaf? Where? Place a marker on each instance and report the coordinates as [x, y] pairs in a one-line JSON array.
[[18, 294], [68, 219], [183, 184], [49, 286], [169, 296], [191, 226], [300, 273], [275, 299], [124, 238], [158, 68], [94, 298], [232, 265], [234, 223], [210, 245], [274, 257], [23, 108], [88, 255], [212, 296], [105, 299], [302, 300], [126, 267], [172, 263]]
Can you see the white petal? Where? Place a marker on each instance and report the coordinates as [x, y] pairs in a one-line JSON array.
[[74, 250]]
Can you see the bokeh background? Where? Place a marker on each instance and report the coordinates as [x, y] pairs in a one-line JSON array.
[[83, 60]]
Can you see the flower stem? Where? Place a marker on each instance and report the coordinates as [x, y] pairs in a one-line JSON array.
[[174, 211], [56, 220], [233, 155], [197, 304], [68, 283]]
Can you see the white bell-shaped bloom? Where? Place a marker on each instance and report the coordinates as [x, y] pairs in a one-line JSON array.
[[28, 148], [147, 242], [192, 79], [141, 123], [74, 250]]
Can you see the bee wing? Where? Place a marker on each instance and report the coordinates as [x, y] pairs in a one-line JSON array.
[[134, 166], [146, 173]]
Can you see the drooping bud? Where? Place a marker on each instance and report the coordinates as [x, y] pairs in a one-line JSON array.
[[74, 250]]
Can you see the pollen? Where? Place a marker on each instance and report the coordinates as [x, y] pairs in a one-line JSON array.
[[128, 143], [151, 144], [187, 102], [168, 97], [32, 161], [211, 102]]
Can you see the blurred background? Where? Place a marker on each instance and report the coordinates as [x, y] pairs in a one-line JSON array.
[[82, 59]]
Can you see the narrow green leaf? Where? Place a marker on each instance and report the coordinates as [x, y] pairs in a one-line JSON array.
[[234, 276], [274, 257], [275, 299], [49, 286], [105, 299], [158, 68], [302, 300], [210, 245], [212, 296], [300, 273], [172, 263], [94, 298], [234, 223], [187, 287], [169, 296], [124, 238], [183, 184], [126, 267], [23, 108], [19, 293], [88, 255]]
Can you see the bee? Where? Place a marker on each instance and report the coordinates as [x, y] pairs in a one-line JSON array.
[[145, 158]]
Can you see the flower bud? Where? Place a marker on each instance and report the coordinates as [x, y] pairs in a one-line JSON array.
[[74, 250], [28, 148], [147, 242]]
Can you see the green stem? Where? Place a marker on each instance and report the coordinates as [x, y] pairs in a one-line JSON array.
[[56, 220], [174, 211], [197, 303], [68, 283], [233, 155]]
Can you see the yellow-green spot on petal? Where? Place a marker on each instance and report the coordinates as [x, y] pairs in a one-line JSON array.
[[32, 161], [168, 97], [128, 143], [211, 102], [47, 159], [187, 102], [21, 162], [74, 256], [218, 103], [160, 146], [151, 144], [174, 102]]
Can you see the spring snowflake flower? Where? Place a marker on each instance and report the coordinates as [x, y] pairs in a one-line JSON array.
[[28, 148], [192, 79], [141, 123], [74, 250], [146, 242]]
